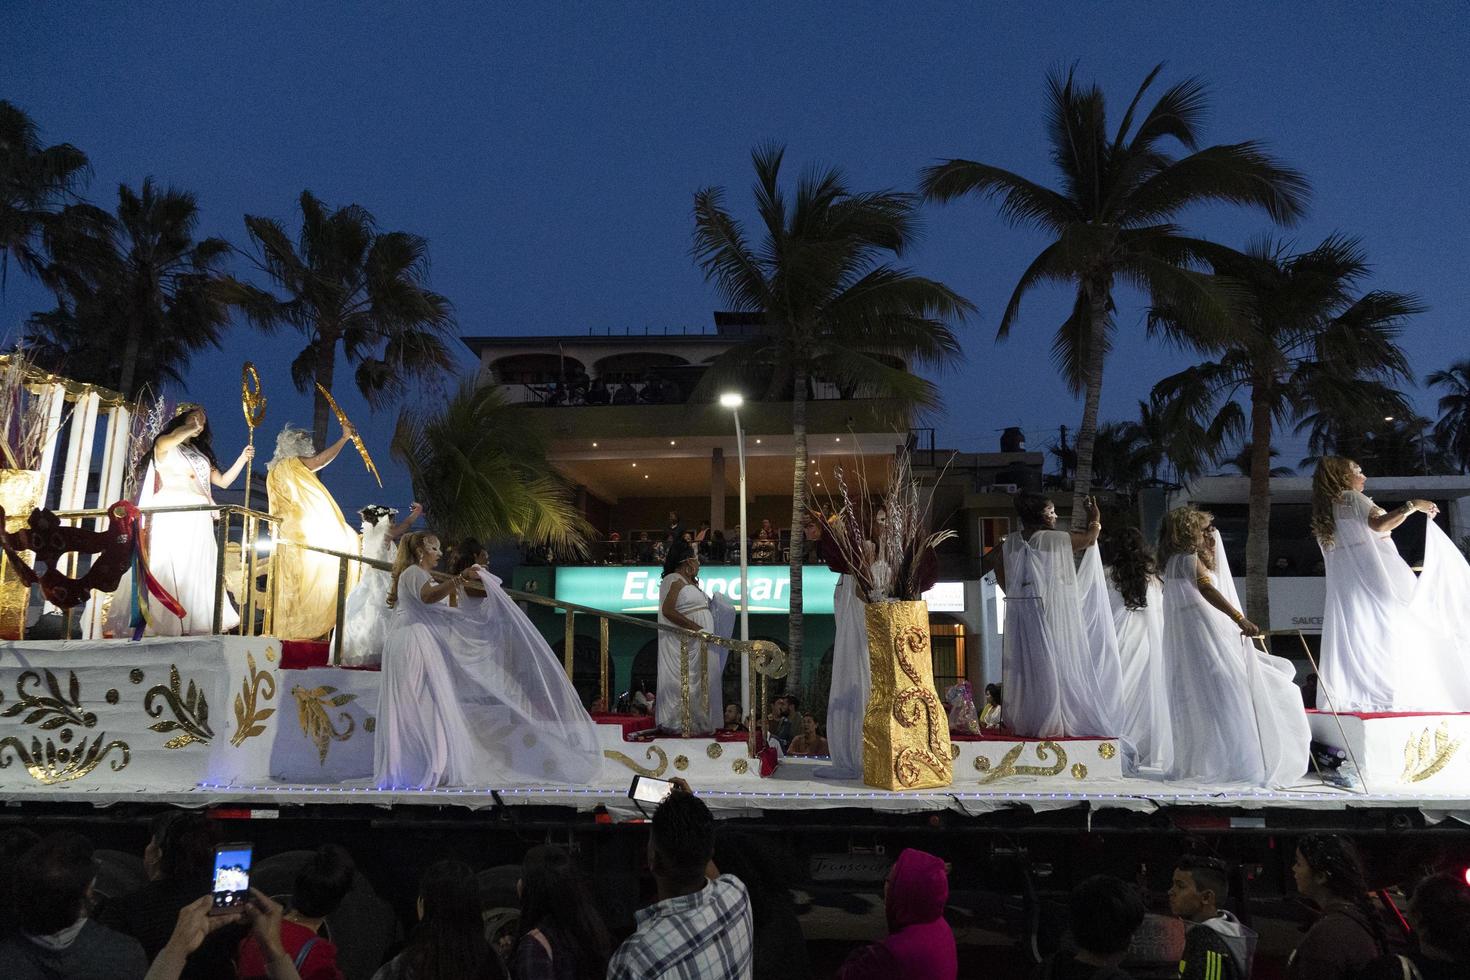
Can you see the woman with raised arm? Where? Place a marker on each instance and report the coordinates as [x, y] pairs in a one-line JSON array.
[[472, 696], [1056, 682], [1235, 711], [1390, 641], [306, 580], [181, 470]]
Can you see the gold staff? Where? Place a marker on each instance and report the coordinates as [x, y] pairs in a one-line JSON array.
[[252, 403], [356, 438]]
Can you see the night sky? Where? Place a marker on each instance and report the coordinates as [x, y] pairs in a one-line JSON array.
[[550, 153]]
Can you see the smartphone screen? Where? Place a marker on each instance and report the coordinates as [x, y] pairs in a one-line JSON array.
[[231, 876], [646, 789]]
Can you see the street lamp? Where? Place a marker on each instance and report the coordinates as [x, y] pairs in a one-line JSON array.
[[733, 400]]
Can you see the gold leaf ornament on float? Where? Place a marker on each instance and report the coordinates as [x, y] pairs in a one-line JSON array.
[[190, 709], [1424, 756], [256, 689], [62, 713], [316, 722]]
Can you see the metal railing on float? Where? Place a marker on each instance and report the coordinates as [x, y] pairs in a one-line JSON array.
[[248, 561], [767, 660]]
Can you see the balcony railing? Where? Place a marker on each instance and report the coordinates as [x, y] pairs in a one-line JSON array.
[[556, 394]]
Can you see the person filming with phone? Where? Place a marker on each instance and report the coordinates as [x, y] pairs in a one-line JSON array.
[[700, 927]]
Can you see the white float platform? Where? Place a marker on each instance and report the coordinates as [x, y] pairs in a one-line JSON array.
[[1402, 753], [216, 721]]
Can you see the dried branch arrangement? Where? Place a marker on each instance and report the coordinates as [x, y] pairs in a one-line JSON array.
[[23, 413], [883, 538]]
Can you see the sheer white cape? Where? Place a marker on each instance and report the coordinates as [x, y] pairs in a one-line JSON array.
[[1236, 712], [1145, 682], [1391, 641], [476, 697], [851, 682], [1056, 683]]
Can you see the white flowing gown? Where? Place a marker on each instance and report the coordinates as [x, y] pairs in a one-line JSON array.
[[1391, 641], [366, 614], [475, 697], [704, 690], [1056, 683], [1236, 712], [1145, 685], [851, 682], [182, 552]]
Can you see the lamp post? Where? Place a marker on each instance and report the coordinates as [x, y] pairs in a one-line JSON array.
[[733, 400]]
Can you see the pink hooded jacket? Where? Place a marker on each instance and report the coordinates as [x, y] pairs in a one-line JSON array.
[[920, 944]]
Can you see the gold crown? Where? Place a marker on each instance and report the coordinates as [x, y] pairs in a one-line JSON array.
[[184, 408]]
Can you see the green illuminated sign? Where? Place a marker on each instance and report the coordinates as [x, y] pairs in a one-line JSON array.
[[635, 589]]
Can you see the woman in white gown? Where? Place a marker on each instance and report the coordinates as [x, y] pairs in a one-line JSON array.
[[365, 617], [1236, 712], [1136, 597], [683, 603], [182, 553], [472, 697], [1059, 680], [1390, 641]]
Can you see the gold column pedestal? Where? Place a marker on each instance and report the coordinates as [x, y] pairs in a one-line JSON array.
[[905, 729], [20, 493]]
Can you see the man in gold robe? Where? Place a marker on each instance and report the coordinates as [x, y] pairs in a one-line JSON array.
[[306, 581]]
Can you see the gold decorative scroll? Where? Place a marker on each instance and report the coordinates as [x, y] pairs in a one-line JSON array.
[[357, 439], [51, 765], [653, 751], [252, 400], [1008, 767], [316, 721], [259, 687], [905, 731]]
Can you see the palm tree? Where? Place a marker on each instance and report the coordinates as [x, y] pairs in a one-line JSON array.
[[1452, 431], [1112, 219], [479, 466], [1241, 462], [136, 294], [35, 182], [831, 306], [351, 286], [1301, 343]]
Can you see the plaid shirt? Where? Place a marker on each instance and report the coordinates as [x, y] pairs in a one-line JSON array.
[[703, 936]]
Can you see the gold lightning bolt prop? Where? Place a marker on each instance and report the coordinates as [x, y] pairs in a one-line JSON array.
[[357, 439]]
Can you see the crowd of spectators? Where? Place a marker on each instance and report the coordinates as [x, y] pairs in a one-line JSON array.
[[723, 909]]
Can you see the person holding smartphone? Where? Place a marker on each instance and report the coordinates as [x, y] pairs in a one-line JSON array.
[[199, 919]]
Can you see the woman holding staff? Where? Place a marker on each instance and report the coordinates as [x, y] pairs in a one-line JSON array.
[[183, 556]]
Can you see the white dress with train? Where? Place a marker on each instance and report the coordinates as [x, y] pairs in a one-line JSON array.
[[1056, 683], [704, 689], [1145, 684], [366, 613], [1236, 712], [475, 697], [1392, 641]]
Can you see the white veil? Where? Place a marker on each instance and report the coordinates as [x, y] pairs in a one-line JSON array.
[[1056, 685], [514, 691], [1438, 678], [1145, 683], [1103, 671]]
